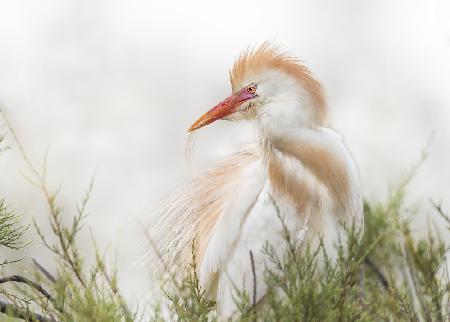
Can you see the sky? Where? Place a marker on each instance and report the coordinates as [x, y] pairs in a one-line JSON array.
[[110, 87]]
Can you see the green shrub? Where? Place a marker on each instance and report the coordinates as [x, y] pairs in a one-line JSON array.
[[390, 274]]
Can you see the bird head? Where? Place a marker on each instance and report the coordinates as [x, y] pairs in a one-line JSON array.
[[271, 87]]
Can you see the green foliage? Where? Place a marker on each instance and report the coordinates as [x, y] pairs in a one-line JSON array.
[[388, 274], [77, 291], [187, 301], [11, 229], [81, 292]]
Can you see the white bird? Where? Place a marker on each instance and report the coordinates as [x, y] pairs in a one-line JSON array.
[[297, 165]]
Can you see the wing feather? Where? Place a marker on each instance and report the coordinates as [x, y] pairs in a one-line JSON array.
[[193, 212]]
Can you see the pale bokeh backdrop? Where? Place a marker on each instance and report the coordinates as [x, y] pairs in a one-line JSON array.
[[111, 87]]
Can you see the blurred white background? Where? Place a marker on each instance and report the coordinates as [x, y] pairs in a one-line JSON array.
[[111, 87]]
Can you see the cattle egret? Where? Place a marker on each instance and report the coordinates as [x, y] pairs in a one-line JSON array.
[[298, 174]]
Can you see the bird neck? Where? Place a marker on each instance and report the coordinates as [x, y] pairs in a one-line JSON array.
[[321, 152]]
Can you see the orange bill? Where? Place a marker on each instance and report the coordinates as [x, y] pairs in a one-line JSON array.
[[226, 107]]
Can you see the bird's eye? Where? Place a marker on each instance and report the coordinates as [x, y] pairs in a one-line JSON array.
[[251, 89]]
